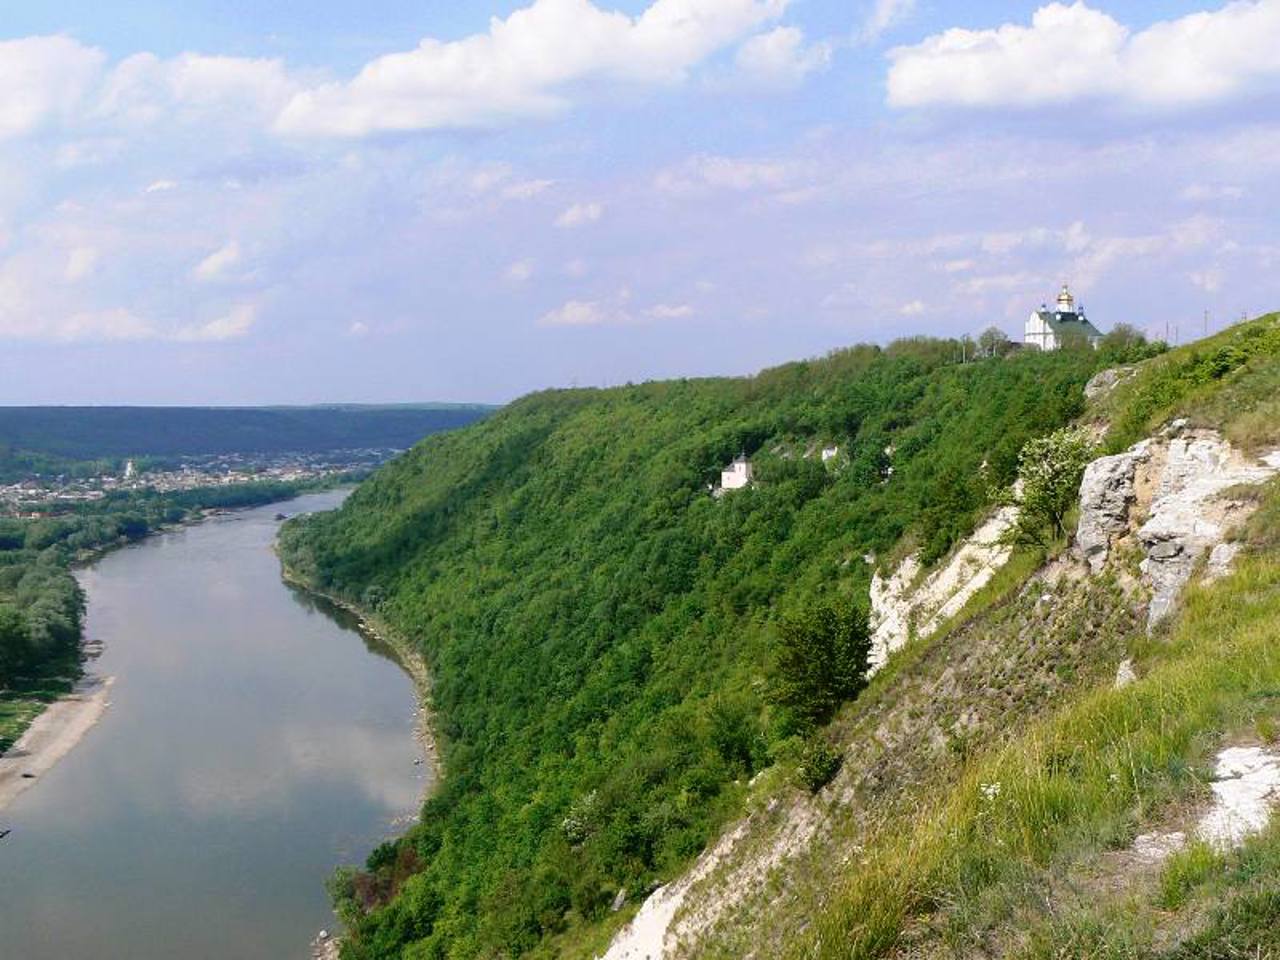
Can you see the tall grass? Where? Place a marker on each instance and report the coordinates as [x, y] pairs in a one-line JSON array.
[[1089, 774]]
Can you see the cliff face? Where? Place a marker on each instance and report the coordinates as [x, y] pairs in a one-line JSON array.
[[1174, 497], [994, 673]]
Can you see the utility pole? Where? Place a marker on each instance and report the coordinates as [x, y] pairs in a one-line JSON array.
[[1206, 323]]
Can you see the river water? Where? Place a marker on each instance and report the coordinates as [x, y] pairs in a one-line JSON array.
[[254, 741]]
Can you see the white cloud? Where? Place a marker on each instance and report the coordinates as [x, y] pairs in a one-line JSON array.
[[90, 152], [1209, 280], [43, 79], [81, 262], [978, 286], [580, 214], [912, 309], [577, 267], [590, 313], [114, 324], [883, 15], [577, 313], [519, 272], [144, 89], [232, 326], [526, 189], [726, 173], [1075, 52], [779, 57], [216, 264], [1211, 191], [161, 186], [523, 65], [670, 311], [358, 328]]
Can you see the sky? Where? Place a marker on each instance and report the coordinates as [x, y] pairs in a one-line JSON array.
[[232, 202]]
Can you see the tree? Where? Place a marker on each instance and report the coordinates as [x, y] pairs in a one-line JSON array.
[[1049, 473], [1125, 343], [992, 342], [821, 660]]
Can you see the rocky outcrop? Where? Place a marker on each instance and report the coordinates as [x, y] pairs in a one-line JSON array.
[[1171, 495], [1192, 511], [1106, 494], [900, 606], [1103, 383]]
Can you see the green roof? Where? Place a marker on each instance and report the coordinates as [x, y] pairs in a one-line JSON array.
[[1065, 324]]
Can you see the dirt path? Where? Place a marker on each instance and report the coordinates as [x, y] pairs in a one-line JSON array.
[[51, 736]]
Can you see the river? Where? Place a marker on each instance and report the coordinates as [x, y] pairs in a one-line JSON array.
[[254, 741]]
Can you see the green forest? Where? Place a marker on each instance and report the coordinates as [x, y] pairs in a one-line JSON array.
[[53, 439], [615, 652]]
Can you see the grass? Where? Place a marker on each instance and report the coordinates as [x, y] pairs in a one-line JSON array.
[[1229, 381], [22, 702], [1081, 779]]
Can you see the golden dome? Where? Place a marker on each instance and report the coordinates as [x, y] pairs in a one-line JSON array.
[[1066, 302]]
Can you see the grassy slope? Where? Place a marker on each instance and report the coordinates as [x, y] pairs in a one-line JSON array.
[[599, 628], [947, 870]]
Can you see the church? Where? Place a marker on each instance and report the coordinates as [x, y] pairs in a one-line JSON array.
[[1047, 329]]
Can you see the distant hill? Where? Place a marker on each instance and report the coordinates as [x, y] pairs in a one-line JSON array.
[[88, 433]]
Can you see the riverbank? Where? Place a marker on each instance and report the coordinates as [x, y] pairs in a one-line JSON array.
[[327, 946], [51, 736], [405, 654]]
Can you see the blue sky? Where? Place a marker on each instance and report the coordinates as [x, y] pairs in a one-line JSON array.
[[235, 202]]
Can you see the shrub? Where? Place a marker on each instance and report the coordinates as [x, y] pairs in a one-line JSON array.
[[821, 660], [817, 764], [1049, 472]]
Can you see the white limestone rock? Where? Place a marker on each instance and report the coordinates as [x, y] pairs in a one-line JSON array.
[[1220, 559], [1106, 381], [1106, 494], [1188, 516], [1125, 674], [1245, 789], [896, 607]]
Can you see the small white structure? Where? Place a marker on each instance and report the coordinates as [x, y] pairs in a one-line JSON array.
[[737, 475], [1047, 329], [830, 453], [130, 469]]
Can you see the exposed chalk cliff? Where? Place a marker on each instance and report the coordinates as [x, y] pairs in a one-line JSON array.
[[1106, 494], [1171, 495], [899, 606]]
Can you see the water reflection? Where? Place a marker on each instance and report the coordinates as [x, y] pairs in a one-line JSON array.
[[252, 744]]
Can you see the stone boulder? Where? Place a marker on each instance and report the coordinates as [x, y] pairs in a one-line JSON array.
[[1106, 494], [1190, 513], [1103, 383]]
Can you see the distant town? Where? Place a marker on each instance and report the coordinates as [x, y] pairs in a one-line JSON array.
[[40, 495]]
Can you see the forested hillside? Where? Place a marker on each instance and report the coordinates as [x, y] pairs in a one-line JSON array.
[[612, 648], [90, 433]]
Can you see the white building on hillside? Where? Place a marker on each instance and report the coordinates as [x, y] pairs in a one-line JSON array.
[[1047, 329], [737, 474]]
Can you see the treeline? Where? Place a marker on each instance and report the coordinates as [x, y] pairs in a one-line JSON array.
[[40, 601], [52, 436], [614, 652]]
